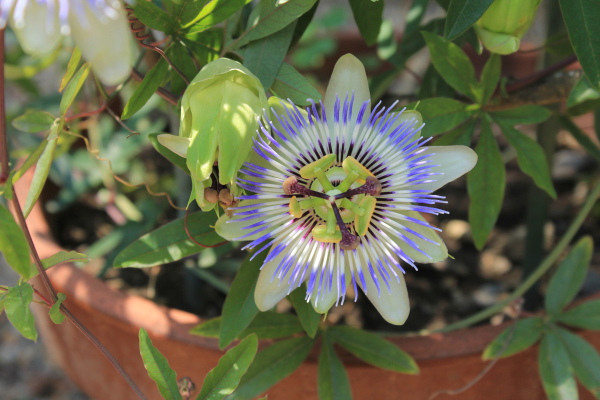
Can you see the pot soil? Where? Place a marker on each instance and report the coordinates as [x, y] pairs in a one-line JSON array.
[[447, 361]]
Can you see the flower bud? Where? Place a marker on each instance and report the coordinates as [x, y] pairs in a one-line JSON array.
[[219, 119], [502, 26]]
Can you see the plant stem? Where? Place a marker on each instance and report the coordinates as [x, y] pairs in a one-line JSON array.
[[4, 163], [535, 275]]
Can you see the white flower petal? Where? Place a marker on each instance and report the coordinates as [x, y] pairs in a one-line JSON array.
[[348, 76], [437, 252], [106, 44], [270, 290], [393, 305], [231, 228], [452, 161], [37, 34]]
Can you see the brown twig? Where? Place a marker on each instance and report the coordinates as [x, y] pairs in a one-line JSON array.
[[538, 75], [18, 212]]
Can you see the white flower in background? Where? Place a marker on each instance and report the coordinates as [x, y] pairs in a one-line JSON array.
[[337, 198], [98, 27]]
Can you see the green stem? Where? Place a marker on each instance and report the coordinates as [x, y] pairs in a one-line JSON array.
[[535, 275]]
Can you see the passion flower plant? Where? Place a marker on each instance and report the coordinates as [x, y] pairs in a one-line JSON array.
[[99, 28], [336, 198]]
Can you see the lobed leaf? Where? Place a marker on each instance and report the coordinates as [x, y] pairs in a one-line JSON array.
[[55, 314], [454, 65], [291, 84], [158, 368], [34, 121], [485, 184], [152, 81], [520, 336], [584, 359], [271, 365], [582, 19], [225, 377], [531, 158], [332, 383], [569, 276], [73, 88], [527, 114], [368, 16], [462, 14], [240, 308], [16, 305], [555, 369], [585, 316], [442, 114], [42, 169], [373, 349], [170, 242], [309, 318], [13, 244], [264, 57], [266, 325]]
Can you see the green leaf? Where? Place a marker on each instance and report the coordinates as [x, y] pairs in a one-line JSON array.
[[13, 244], [454, 65], [154, 17], [442, 114], [373, 349], [64, 257], [582, 92], [520, 336], [586, 316], [34, 121], [42, 169], [158, 368], [414, 16], [214, 12], [176, 159], [225, 377], [291, 84], [531, 158], [580, 136], [264, 57], [266, 325], [73, 88], [459, 136], [239, 308], [33, 157], [528, 114], [170, 242], [2, 298], [485, 184], [271, 365], [490, 77], [152, 81], [16, 305], [555, 369], [368, 16], [582, 19], [333, 383], [71, 68], [269, 17], [190, 10], [55, 314], [569, 276], [462, 14], [584, 359], [433, 85], [309, 318], [181, 58]]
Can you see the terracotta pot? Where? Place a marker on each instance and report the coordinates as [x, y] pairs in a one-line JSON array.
[[447, 361]]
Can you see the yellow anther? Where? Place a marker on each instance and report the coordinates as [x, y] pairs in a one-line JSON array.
[[351, 165], [323, 163], [320, 233], [295, 208], [362, 222]]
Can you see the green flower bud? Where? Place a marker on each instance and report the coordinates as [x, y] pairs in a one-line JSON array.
[[502, 26], [219, 112]]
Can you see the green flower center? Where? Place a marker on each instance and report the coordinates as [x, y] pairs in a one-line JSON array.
[[339, 195]]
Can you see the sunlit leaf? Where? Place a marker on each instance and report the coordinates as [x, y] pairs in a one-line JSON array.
[[55, 314], [16, 305], [13, 244], [520, 336], [555, 369], [158, 368]]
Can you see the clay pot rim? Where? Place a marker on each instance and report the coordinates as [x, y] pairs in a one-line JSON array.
[[161, 321]]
